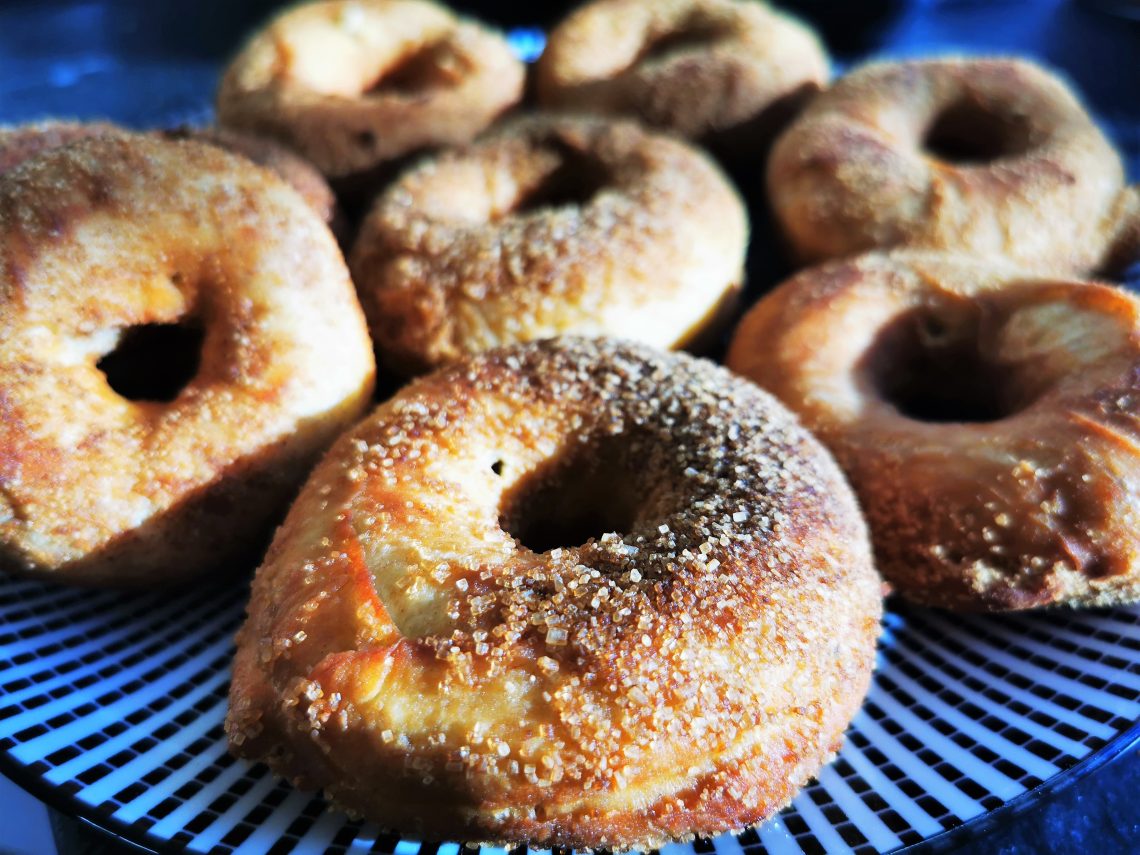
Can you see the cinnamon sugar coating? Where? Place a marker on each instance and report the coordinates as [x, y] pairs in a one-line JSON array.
[[21, 142], [118, 234], [725, 72], [293, 169], [352, 84], [987, 417], [983, 156], [550, 225], [1124, 249], [682, 673]]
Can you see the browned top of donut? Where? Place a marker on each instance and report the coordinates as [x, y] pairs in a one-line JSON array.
[[353, 83], [701, 68], [121, 233], [22, 142], [989, 419], [548, 225], [988, 156], [19, 143], [675, 673], [297, 172]]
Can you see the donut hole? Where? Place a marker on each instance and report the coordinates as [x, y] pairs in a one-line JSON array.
[[567, 503], [154, 362], [967, 132], [693, 35], [434, 65], [575, 180], [933, 367]]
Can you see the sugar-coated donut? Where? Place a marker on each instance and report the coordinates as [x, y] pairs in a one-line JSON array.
[[352, 84], [178, 339], [726, 72], [984, 156], [988, 418], [571, 592], [550, 225]]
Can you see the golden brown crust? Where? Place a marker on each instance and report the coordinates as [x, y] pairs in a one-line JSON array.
[[549, 225], [408, 655], [1124, 246], [293, 169], [352, 84], [23, 142], [1035, 500], [722, 71], [985, 156], [114, 232]]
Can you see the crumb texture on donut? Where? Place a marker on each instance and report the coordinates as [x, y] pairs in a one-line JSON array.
[[19, 143], [279, 159], [178, 339], [983, 156], [1124, 247], [352, 84], [723, 71], [547, 226], [988, 419], [683, 670]]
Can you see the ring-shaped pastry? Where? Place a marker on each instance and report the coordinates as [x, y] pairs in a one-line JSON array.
[[352, 84], [179, 339], [546, 226], [988, 418], [571, 592], [725, 72], [983, 156]]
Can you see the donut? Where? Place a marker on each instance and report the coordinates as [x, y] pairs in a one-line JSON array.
[[179, 339], [550, 225], [572, 592], [982, 156], [987, 417], [725, 72], [352, 84], [22, 142]]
